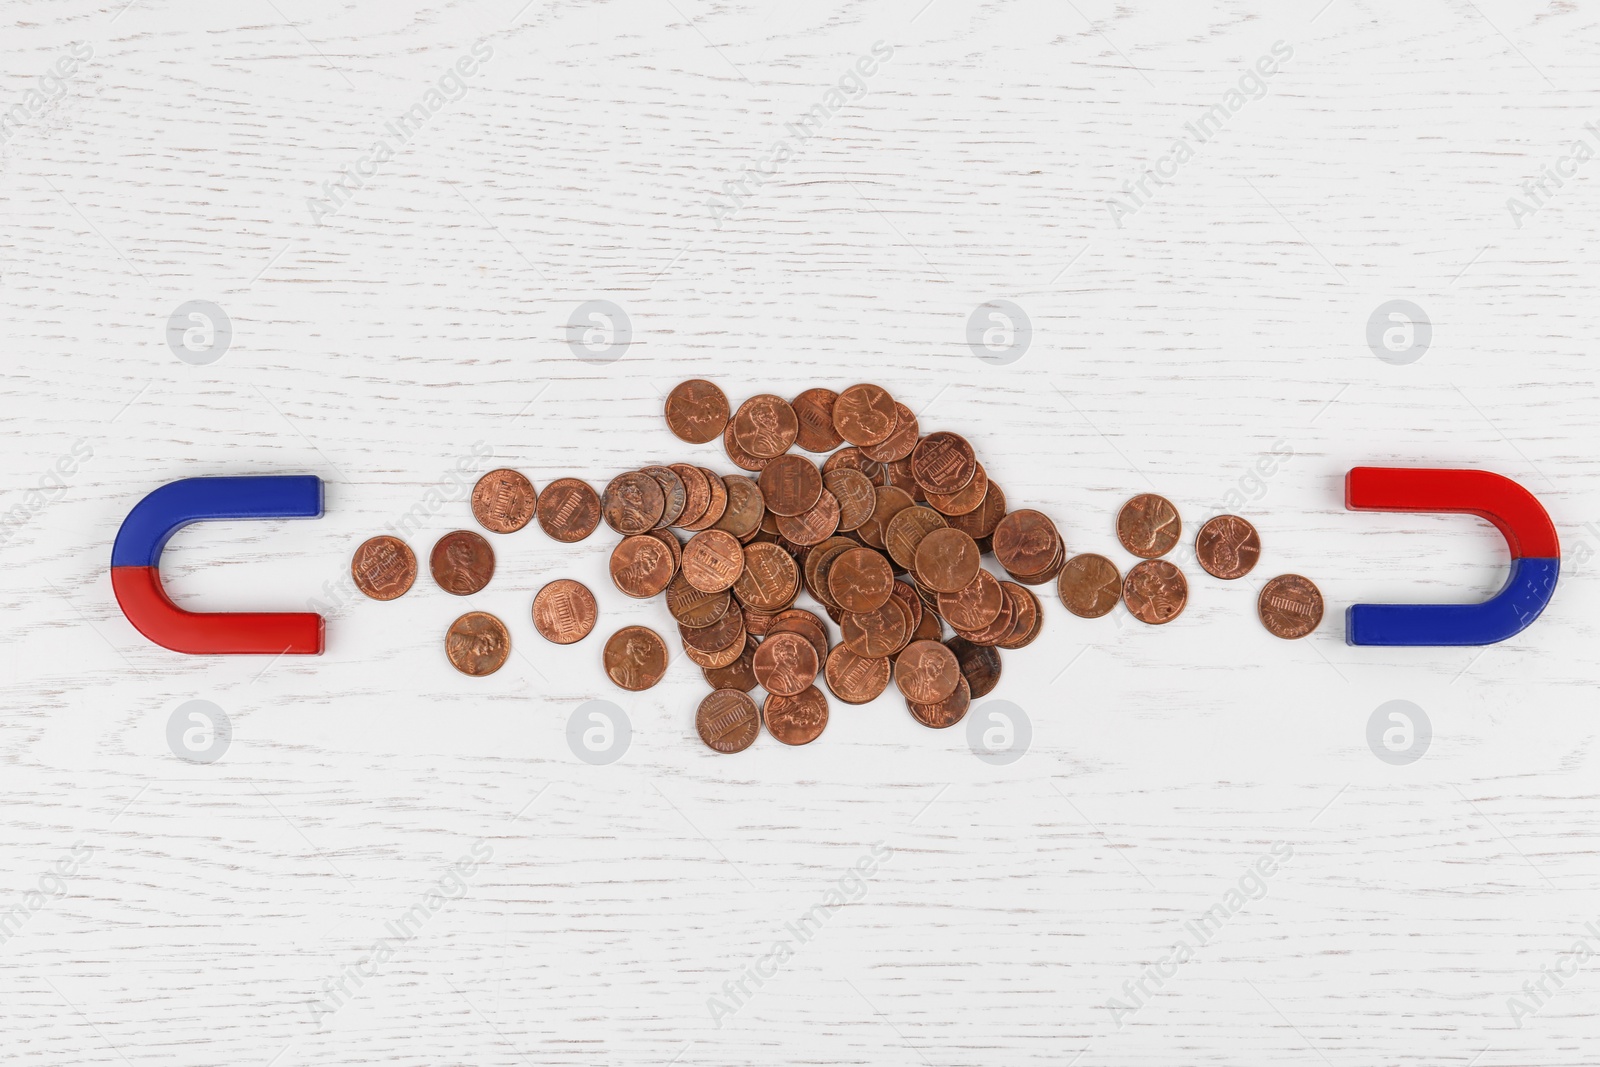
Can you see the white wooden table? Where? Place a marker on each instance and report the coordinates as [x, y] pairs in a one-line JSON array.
[[589, 914]]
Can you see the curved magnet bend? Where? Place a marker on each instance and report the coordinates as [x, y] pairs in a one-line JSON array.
[[136, 565], [1517, 513]]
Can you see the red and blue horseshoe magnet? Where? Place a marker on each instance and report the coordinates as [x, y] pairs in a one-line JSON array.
[[1517, 513], [136, 565]]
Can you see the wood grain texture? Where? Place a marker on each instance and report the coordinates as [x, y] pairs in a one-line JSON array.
[[1223, 319]]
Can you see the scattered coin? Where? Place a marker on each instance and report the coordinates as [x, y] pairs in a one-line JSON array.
[[1290, 606], [477, 644], [740, 674], [728, 721], [1089, 586], [947, 561], [980, 666], [943, 463], [1155, 591], [568, 510], [790, 485], [697, 411], [384, 567], [813, 411], [944, 713], [864, 415], [856, 679], [785, 664], [860, 580], [564, 611], [1227, 547], [462, 562], [641, 566], [796, 720], [927, 672], [765, 426], [635, 658], [1148, 525], [632, 503], [504, 501], [900, 443], [1026, 543]]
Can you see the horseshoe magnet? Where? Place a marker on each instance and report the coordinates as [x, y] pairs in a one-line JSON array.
[[1517, 513], [136, 565]]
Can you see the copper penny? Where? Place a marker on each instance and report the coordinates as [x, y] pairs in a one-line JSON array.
[[864, 415], [736, 452], [757, 623], [911, 600], [813, 410], [716, 506], [945, 713], [568, 510], [713, 561], [462, 562], [674, 546], [786, 663], [905, 531], [854, 491], [632, 503], [819, 562], [931, 628], [641, 566], [696, 494], [963, 501], [383, 567], [796, 720], [1089, 585], [900, 443], [804, 623], [714, 637], [943, 463], [981, 521], [745, 510], [812, 527], [674, 494], [790, 484], [765, 426], [876, 634], [947, 561], [998, 630], [855, 679], [1227, 547], [635, 658], [724, 658], [740, 674], [770, 579], [728, 721], [696, 411], [1026, 612], [1148, 525], [889, 501], [477, 644], [693, 607], [504, 501], [1155, 591], [1290, 606], [564, 611], [980, 666], [974, 605], [927, 672], [860, 580], [1025, 542]]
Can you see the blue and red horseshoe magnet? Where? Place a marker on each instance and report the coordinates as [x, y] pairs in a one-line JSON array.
[[136, 565], [1520, 518]]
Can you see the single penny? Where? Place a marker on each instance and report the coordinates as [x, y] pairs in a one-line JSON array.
[[980, 665], [504, 501], [864, 415], [998, 630], [728, 721], [564, 611], [1155, 591], [889, 501], [674, 494], [900, 443], [804, 623], [860, 580], [790, 484], [742, 459], [693, 607], [819, 561], [477, 644], [632, 503], [740, 674], [568, 510], [855, 679], [947, 561], [1026, 541], [981, 521], [696, 411], [713, 561], [770, 578], [944, 713], [1148, 525], [635, 658], [383, 567], [943, 463], [1089, 585], [462, 562], [796, 720], [813, 411], [745, 510], [716, 637], [1027, 615], [716, 506], [723, 658], [927, 672], [696, 493], [765, 426], [641, 566], [786, 663], [1290, 606], [854, 491], [962, 501], [1227, 547], [876, 634], [975, 605], [905, 531], [812, 527]]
